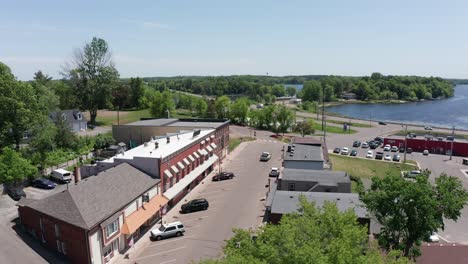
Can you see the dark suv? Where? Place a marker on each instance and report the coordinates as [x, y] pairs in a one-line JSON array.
[[16, 193], [194, 205], [379, 155]]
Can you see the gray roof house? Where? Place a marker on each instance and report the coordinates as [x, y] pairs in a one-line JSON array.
[[73, 117], [285, 202], [313, 181], [304, 157]]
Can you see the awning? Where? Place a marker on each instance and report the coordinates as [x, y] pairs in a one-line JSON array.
[[168, 173], [202, 142], [181, 166], [189, 178], [174, 169], [207, 139], [213, 145], [210, 149], [212, 136], [191, 158], [139, 217], [196, 155], [203, 152], [186, 162]]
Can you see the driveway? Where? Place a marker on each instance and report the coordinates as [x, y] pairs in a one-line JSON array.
[[236, 203]]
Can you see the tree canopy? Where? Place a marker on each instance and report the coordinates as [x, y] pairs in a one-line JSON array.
[[316, 235], [410, 211], [14, 168]]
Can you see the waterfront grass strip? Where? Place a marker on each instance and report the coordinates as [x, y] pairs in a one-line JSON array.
[[368, 168]]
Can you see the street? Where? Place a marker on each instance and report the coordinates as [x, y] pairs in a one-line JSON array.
[[236, 203]]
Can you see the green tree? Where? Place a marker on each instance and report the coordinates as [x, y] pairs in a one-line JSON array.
[[137, 91], [222, 106], [43, 134], [120, 98], [19, 108], [291, 91], [14, 168], [411, 211], [93, 75], [316, 235], [42, 79], [329, 93], [284, 117], [64, 91], [278, 90], [65, 137], [201, 106], [162, 104], [240, 110], [312, 91], [304, 128]]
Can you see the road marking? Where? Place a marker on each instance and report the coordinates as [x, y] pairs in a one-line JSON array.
[[172, 260], [172, 240], [160, 253]]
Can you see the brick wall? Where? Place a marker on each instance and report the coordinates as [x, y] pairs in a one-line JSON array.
[[73, 237]]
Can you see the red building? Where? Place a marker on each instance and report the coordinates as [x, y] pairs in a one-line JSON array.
[[100, 215], [433, 145]]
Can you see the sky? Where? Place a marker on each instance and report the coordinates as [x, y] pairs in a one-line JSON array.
[[215, 37]]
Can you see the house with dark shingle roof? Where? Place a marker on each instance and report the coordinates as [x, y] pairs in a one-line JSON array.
[[73, 117], [97, 217], [314, 181]]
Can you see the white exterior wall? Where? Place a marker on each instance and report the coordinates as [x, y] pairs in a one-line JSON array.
[[148, 165], [153, 192], [95, 244], [130, 209], [122, 238]]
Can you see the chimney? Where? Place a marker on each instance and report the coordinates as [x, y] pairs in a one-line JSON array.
[[77, 175], [168, 139]]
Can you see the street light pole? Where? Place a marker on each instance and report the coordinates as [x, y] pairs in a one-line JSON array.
[[453, 139], [406, 136]]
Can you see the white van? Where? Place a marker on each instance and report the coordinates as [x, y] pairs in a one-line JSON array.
[[62, 175]]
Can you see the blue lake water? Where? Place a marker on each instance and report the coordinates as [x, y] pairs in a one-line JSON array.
[[441, 113]]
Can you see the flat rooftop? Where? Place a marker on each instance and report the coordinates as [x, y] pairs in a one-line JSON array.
[[149, 150], [322, 176], [173, 122], [304, 152], [153, 122], [285, 202]]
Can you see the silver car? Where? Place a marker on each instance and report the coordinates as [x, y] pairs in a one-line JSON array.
[[168, 230]]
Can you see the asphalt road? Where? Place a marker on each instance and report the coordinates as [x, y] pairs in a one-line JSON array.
[[237, 203]]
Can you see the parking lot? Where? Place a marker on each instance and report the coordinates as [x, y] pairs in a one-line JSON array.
[[18, 247], [236, 203]]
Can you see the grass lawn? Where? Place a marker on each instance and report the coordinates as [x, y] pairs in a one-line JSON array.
[[235, 142], [331, 129], [334, 121], [367, 168], [125, 117], [430, 132]]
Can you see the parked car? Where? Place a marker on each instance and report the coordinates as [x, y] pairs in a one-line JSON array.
[[379, 155], [369, 154], [337, 150], [388, 157], [379, 139], [274, 172], [387, 147], [434, 238], [16, 193], [364, 145], [402, 149], [412, 135], [426, 152], [223, 176], [353, 153], [61, 175], [396, 157], [450, 138], [266, 156], [357, 144], [394, 149], [344, 151], [411, 174], [195, 205], [409, 150], [167, 230], [373, 145], [43, 183], [427, 128], [382, 123]]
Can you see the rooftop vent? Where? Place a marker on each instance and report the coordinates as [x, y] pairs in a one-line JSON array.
[[156, 145], [168, 140], [338, 199], [292, 154], [146, 144], [291, 196]]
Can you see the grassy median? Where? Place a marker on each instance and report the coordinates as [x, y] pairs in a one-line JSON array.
[[235, 142], [368, 168]]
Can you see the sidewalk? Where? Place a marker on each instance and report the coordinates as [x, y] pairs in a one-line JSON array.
[[172, 215]]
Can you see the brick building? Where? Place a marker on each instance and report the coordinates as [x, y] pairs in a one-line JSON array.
[[98, 217]]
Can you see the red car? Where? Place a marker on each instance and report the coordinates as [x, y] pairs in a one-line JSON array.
[[223, 176]]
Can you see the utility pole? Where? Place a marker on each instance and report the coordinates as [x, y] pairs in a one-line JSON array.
[[323, 115], [167, 110], [406, 136], [453, 139]]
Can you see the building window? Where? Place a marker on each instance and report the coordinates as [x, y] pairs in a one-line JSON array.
[[107, 250], [64, 248], [292, 187], [112, 228], [40, 224], [57, 230], [59, 246]]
